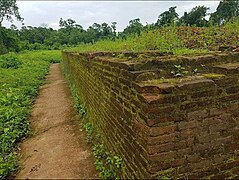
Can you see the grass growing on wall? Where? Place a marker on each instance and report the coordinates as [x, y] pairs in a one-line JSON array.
[[179, 40], [20, 77], [165, 41]]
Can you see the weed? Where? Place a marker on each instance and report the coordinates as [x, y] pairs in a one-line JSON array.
[[108, 164], [179, 71], [20, 77]]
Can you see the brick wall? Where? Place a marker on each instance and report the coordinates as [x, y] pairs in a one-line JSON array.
[[184, 127]]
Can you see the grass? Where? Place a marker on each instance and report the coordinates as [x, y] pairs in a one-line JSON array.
[[165, 40], [20, 77], [178, 40]]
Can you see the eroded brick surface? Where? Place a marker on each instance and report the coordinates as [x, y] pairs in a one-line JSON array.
[[184, 127]]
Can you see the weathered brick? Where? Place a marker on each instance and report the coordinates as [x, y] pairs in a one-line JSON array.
[[188, 125], [186, 130], [156, 131], [223, 82], [160, 148], [216, 112], [197, 115], [163, 139], [192, 158], [196, 84]]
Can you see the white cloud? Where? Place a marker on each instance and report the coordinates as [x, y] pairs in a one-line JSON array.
[[86, 13]]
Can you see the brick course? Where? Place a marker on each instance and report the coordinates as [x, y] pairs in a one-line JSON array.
[[185, 129]]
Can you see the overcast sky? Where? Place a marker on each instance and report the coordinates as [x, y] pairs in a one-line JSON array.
[[85, 13]]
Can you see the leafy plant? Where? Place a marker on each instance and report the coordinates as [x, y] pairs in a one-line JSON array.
[[108, 164], [179, 71], [10, 61], [20, 77], [89, 132]]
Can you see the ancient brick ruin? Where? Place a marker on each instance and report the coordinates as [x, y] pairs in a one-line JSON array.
[[167, 116]]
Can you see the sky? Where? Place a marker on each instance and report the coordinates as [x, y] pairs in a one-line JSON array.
[[85, 13]]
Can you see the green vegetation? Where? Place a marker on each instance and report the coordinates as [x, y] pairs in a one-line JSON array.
[[214, 76], [21, 74], [164, 40], [107, 163], [20, 77], [179, 40], [179, 71], [182, 35]]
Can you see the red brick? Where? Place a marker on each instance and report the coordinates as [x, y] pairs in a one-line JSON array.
[[192, 158], [162, 157], [188, 125], [196, 84], [197, 115], [163, 139], [200, 165], [160, 148], [157, 131]]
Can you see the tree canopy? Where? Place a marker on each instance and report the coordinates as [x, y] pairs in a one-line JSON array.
[[8, 10], [134, 27], [71, 34], [226, 10], [195, 17], [168, 17]]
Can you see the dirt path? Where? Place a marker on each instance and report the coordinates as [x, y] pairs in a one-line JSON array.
[[58, 148]]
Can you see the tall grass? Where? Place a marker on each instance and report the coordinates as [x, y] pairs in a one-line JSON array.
[[178, 40]]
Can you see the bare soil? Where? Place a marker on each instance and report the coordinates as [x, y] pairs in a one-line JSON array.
[[57, 148]]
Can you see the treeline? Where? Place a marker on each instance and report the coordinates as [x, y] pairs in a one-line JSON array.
[[71, 33]]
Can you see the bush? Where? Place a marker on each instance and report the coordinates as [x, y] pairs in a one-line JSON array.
[[10, 61]]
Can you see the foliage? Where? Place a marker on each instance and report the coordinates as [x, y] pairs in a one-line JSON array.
[[18, 86], [8, 8], [108, 164], [165, 39], [134, 27], [10, 60], [178, 71], [168, 17], [226, 10], [195, 17], [8, 41], [151, 36]]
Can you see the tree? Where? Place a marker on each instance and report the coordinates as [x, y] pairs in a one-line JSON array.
[[167, 17], [8, 8], [106, 30], [69, 23], [226, 10], [113, 26], [195, 17], [135, 27]]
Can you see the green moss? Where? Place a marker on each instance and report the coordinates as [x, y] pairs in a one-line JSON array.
[[166, 174], [213, 75], [231, 159], [161, 81], [171, 81]]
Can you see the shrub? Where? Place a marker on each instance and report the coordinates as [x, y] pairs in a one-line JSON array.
[[10, 61]]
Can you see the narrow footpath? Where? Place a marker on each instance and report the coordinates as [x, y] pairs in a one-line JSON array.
[[57, 148]]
